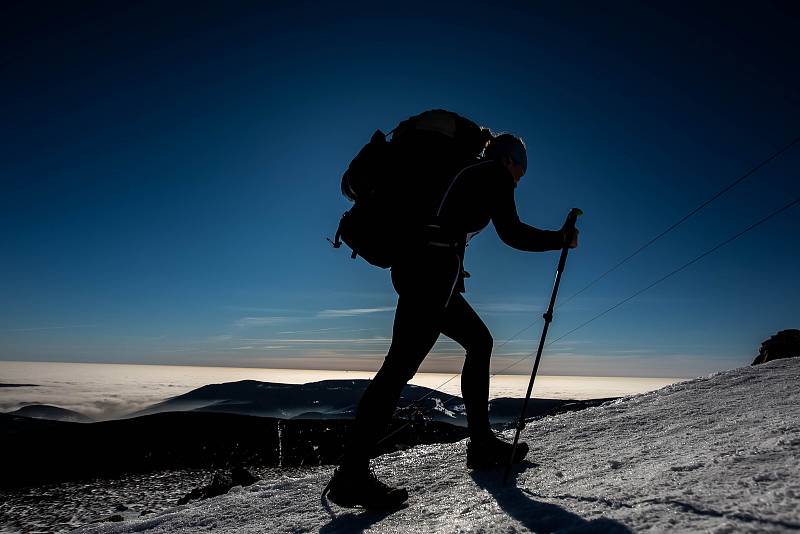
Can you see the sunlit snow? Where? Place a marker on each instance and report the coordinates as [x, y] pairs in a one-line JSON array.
[[717, 454]]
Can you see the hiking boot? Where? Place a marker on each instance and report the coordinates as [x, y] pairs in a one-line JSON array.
[[350, 488], [493, 452]]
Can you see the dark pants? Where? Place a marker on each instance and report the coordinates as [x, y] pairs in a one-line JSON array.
[[428, 305]]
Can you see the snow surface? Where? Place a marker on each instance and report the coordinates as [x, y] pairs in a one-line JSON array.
[[715, 454]]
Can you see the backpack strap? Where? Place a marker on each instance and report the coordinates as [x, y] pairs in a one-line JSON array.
[[337, 238], [453, 182]]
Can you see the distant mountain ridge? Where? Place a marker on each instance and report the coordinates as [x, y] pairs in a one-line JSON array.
[[338, 399], [54, 413], [326, 399]]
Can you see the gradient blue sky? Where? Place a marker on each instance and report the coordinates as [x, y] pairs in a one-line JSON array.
[[170, 172]]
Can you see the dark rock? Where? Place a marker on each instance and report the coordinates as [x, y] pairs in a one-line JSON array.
[[146, 512], [784, 344], [121, 508], [243, 477], [116, 518], [221, 483], [196, 493]]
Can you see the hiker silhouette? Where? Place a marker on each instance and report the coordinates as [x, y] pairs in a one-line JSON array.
[[427, 273]]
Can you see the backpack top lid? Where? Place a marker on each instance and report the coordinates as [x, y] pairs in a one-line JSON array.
[[440, 140], [470, 138], [435, 120]]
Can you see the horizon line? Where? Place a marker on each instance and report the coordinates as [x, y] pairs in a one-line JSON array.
[[211, 365]]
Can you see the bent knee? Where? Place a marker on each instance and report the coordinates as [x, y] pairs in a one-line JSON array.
[[481, 344], [395, 372]]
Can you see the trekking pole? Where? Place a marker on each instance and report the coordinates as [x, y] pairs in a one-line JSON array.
[[569, 226]]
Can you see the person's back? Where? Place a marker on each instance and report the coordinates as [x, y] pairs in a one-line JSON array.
[[424, 166], [484, 192]]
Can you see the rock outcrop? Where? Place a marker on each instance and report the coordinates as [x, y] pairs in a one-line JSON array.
[[784, 344], [221, 483]]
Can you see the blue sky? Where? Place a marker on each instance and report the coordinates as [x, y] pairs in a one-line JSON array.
[[170, 174]]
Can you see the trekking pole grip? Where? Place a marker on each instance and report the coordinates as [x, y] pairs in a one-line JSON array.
[[569, 230], [572, 219], [572, 216]]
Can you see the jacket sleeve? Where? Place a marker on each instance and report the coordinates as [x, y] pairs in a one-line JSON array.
[[516, 233]]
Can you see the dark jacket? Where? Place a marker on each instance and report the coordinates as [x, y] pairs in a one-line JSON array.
[[482, 192]]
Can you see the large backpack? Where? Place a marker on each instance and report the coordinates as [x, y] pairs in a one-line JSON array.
[[396, 184]]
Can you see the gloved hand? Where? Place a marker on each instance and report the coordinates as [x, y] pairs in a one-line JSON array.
[[571, 237]]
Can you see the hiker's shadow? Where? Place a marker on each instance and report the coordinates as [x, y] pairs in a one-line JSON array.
[[354, 522], [535, 515]]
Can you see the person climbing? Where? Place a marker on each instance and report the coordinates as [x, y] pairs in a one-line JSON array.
[[429, 281]]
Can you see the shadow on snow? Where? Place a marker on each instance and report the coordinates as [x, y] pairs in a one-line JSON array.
[[354, 522], [535, 515]]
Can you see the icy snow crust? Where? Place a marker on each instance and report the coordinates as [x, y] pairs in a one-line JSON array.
[[715, 454]]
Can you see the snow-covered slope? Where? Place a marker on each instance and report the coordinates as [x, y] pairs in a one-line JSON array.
[[716, 454]]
